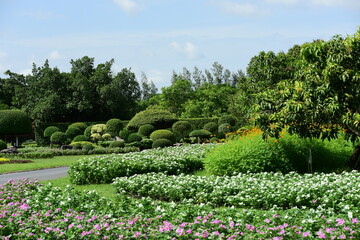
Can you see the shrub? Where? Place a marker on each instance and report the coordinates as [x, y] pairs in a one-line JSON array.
[[198, 123], [159, 118], [80, 125], [97, 131], [77, 146], [211, 127], [146, 143], [87, 132], [114, 126], [181, 129], [124, 133], [2, 145], [133, 144], [134, 137], [106, 137], [82, 143], [161, 143], [146, 129], [80, 138], [200, 134], [117, 144], [50, 130], [87, 147], [72, 132], [14, 122], [104, 144], [163, 133], [227, 119], [58, 138], [223, 130]]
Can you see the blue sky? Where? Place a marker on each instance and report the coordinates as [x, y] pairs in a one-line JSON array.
[[159, 36]]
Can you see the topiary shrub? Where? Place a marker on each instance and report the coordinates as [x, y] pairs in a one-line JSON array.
[[223, 129], [80, 138], [211, 127], [58, 138], [97, 131], [124, 133], [87, 131], [80, 125], [163, 134], [134, 137], [201, 134], [181, 129], [161, 143], [146, 143], [2, 145], [72, 132], [146, 130], [77, 146], [227, 119], [114, 126], [87, 147], [14, 122], [159, 118], [117, 144], [50, 130], [106, 137]]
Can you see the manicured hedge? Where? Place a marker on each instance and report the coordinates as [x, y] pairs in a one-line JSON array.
[[163, 134], [198, 123], [14, 122], [159, 118], [114, 126]]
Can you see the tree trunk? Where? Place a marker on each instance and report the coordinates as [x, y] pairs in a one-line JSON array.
[[354, 162]]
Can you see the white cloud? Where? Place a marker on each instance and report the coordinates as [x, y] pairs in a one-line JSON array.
[[336, 3], [159, 78], [128, 6], [188, 49], [242, 9], [55, 55], [25, 72]]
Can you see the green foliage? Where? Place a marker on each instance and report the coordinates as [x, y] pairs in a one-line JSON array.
[[117, 144], [146, 144], [201, 134], [72, 132], [14, 122], [77, 146], [50, 130], [114, 126], [198, 123], [87, 147], [106, 137], [181, 129], [59, 138], [211, 127], [146, 129], [80, 125], [2, 145], [97, 131], [227, 119], [136, 144], [80, 138], [87, 131], [134, 137], [224, 129], [124, 133], [157, 117], [163, 133], [161, 143]]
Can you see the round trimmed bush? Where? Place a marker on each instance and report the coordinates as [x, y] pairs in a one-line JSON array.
[[114, 126], [72, 132], [80, 138], [227, 119], [200, 134], [50, 130], [134, 137], [146, 129], [87, 131], [106, 137], [117, 144], [211, 127], [223, 129], [163, 134], [146, 143], [59, 138], [98, 128], [2, 145], [181, 129], [161, 143], [80, 125], [159, 118], [124, 133], [87, 147], [14, 122]]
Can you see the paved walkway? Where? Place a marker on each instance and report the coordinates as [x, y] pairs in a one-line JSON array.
[[40, 175]]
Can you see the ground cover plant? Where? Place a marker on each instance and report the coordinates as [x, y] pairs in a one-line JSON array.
[[172, 160], [30, 210]]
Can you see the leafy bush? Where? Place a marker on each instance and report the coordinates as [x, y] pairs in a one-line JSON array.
[[87, 147], [50, 130], [211, 127], [77, 146], [146, 144], [201, 134], [198, 123], [72, 132], [80, 125], [250, 153], [82, 143], [59, 138], [2, 145], [106, 137], [159, 118], [224, 129], [80, 138], [133, 144], [163, 133], [146, 129], [181, 129], [161, 143], [98, 128], [102, 169], [87, 132], [114, 126], [227, 119], [124, 133], [14, 122], [134, 137], [117, 144]]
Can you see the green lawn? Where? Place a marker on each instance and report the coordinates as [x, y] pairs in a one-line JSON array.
[[58, 161]]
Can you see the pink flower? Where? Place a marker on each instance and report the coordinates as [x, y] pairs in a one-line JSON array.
[[305, 234], [137, 234]]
